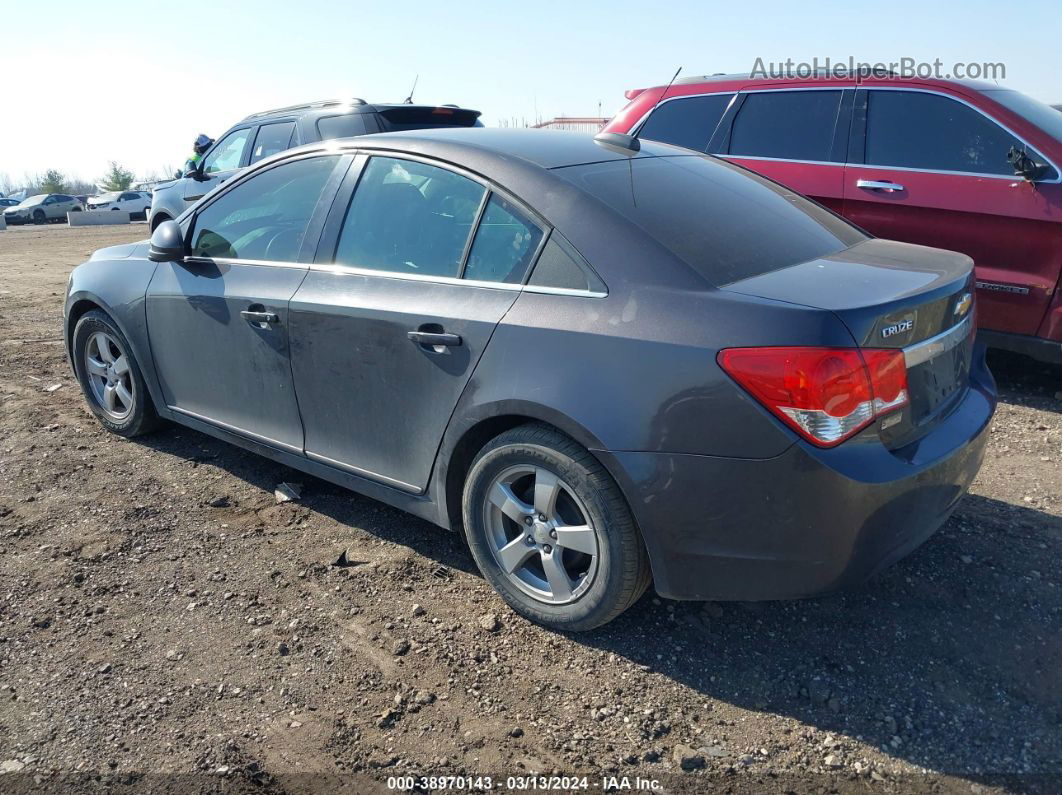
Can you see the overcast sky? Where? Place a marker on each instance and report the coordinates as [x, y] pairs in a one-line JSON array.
[[91, 81]]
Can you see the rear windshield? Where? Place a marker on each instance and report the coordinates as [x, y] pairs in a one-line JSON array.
[[725, 222], [417, 118]]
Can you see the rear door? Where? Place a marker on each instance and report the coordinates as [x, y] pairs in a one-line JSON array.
[[932, 169], [223, 160], [795, 136], [397, 309], [218, 321]]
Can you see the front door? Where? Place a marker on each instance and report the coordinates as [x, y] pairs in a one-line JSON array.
[[222, 161], [934, 171], [218, 322], [396, 312]]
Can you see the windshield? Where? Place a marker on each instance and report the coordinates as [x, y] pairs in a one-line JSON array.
[[34, 200], [107, 197], [1043, 116], [725, 222]]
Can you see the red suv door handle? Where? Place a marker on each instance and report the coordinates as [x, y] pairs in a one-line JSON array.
[[879, 184]]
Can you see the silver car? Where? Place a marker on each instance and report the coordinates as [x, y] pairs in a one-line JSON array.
[[42, 208]]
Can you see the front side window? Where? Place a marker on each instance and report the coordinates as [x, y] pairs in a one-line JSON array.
[[786, 125], [271, 138], [227, 154], [688, 122], [409, 217], [265, 217], [506, 241], [913, 129]]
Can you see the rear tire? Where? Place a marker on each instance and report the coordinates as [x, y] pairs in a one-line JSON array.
[[110, 377], [571, 561]]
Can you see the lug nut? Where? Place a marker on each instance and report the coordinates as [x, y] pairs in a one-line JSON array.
[[528, 520], [530, 540], [548, 548], [542, 517], [552, 533]]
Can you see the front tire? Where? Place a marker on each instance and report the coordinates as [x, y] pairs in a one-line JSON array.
[[551, 532], [39, 217], [110, 377]]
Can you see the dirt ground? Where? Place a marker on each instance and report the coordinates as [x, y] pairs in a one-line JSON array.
[[165, 624]]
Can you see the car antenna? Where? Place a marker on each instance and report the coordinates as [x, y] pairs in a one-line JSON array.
[[409, 99], [631, 142]]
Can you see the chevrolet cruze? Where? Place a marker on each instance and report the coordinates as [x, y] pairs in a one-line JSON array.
[[607, 362]]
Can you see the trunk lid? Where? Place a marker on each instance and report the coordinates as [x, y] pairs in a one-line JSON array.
[[893, 295]]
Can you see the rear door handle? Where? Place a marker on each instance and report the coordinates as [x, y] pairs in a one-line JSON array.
[[433, 338], [252, 316], [879, 184]]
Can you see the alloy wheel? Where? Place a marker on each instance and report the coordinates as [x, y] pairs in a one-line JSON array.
[[109, 375], [540, 534]]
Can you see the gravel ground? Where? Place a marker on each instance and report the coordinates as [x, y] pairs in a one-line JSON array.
[[165, 624]]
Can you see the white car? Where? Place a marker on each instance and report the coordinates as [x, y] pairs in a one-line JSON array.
[[129, 201]]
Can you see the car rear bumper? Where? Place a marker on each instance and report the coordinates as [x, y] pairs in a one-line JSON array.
[[807, 521], [1039, 348]]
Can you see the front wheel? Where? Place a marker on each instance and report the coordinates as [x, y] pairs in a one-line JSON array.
[[551, 532], [39, 217], [110, 377]]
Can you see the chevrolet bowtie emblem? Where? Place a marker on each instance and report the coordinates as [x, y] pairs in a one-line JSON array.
[[963, 305]]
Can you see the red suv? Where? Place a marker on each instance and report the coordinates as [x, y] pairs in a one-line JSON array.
[[965, 166]]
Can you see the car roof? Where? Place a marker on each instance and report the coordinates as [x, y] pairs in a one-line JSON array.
[[342, 106], [720, 81], [500, 147]]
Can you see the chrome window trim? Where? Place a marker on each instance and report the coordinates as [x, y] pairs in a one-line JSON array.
[[265, 263], [992, 119], [922, 352], [837, 163]]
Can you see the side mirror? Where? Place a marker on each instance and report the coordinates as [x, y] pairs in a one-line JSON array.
[[1024, 166], [167, 243]]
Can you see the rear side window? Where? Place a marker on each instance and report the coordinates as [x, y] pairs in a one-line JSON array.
[[725, 222], [560, 265], [788, 125], [265, 217], [272, 138], [912, 129], [505, 243], [688, 122], [410, 218], [346, 126]]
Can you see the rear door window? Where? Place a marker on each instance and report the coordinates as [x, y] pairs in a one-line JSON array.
[[410, 218], [687, 121], [227, 153], [786, 125], [915, 129], [505, 243], [271, 138], [724, 221]]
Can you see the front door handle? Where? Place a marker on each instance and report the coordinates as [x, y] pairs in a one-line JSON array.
[[433, 338], [879, 184], [252, 316]]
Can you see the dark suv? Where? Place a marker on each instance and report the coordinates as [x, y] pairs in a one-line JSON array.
[[272, 131], [960, 165]]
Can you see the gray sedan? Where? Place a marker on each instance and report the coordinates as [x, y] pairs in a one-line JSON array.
[[607, 362], [42, 208]]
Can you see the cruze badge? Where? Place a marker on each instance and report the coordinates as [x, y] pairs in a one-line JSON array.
[[963, 305], [897, 328]]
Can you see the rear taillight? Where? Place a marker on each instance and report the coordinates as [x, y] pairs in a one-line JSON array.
[[824, 394]]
